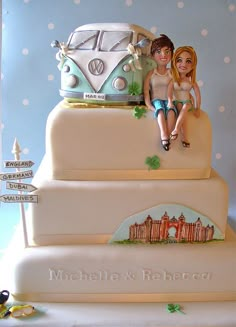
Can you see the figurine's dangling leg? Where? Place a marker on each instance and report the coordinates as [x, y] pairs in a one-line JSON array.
[[161, 120], [180, 120]]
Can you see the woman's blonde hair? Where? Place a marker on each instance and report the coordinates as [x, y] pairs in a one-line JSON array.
[[177, 53]]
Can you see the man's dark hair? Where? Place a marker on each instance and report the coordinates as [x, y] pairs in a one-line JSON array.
[[160, 42]]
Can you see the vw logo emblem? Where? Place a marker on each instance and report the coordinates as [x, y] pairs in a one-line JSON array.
[[96, 66]]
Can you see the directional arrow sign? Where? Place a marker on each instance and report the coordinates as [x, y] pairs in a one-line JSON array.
[[18, 164], [13, 198], [20, 187], [17, 175]]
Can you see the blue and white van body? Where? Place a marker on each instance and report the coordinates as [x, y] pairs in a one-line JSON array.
[[105, 63]]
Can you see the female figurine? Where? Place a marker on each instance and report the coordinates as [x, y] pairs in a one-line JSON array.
[[184, 63], [156, 85]]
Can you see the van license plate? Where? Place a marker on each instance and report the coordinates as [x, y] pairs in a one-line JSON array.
[[94, 96]]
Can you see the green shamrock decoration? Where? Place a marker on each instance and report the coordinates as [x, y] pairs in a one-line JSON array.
[[134, 89], [152, 162], [139, 112], [171, 308]]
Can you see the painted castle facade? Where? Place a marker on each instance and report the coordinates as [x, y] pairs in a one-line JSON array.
[[170, 229]]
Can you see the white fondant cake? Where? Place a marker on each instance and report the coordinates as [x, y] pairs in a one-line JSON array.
[[110, 197], [74, 215]]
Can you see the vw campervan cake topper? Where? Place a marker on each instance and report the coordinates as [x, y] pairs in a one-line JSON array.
[[105, 63]]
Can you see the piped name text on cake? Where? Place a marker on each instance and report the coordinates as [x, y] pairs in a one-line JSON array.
[[146, 274], [82, 275], [150, 274]]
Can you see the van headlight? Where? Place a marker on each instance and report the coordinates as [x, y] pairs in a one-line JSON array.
[[66, 69], [71, 80], [119, 83], [126, 68]]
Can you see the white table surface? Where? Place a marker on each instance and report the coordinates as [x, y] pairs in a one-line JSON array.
[[209, 314]]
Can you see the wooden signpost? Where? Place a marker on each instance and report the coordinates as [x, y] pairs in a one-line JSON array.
[[18, 186]]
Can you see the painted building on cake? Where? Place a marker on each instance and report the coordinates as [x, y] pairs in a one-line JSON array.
[[170, 230]]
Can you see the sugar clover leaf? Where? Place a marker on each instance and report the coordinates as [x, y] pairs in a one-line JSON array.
[[139, 112], [134, 88], [174, 308], [153, 162]]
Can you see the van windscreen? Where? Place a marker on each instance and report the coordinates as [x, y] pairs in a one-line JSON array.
[[115, 40], [83, 40]]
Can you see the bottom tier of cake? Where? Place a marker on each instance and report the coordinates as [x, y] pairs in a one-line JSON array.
[[124, 273]]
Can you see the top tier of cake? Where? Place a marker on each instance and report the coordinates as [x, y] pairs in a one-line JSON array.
[[111, 144]]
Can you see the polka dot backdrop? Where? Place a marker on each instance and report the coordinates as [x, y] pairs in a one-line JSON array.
[[30, 78]]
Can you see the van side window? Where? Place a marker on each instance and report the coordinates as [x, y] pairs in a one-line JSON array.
[[115, 40], [145, 50], [83, 40]]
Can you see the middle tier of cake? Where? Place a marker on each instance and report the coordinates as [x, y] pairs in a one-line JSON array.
[[74, 212]]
